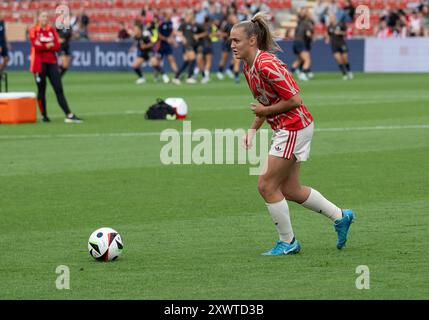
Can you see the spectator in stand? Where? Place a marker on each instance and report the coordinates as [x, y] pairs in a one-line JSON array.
[[416, 24], [332, 9], [200, 13], [123, 33], [401, 30], [392, 18], [384, 30], [146, 15], [425, 11], [83, 22], [349, 11], [258, 6], [320, 10]]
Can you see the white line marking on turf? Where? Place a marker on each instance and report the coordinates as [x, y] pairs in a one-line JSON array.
[[146, 134]]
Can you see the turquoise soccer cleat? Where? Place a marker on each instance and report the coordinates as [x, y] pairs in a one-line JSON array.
[[282, 247], [342, 227]]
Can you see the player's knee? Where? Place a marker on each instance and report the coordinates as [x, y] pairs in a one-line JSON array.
[[265, 188]]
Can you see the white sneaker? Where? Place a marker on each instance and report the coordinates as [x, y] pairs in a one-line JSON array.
[[310, 75], [140, 80], [345, 77], [303, 77], [205, 80], [196, 71], [350, 75], [176, 81], [229, 73], [165, 78], [191, 81], [220, 75]]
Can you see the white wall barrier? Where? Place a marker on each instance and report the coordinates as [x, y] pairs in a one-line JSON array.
[[396, 55]]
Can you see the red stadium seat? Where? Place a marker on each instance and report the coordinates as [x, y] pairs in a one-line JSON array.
[[365, 3], [10, 18], [374, 18], [75, 4], [320, 29], [6, 6], [34, 5], [184, 3], [118, 4], [393, 4], [378, 4], [403, 4]]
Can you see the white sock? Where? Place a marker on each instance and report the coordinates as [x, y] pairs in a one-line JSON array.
[[279, 212], [320, 204]]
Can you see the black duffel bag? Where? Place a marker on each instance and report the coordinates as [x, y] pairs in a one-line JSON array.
[[160, 111]]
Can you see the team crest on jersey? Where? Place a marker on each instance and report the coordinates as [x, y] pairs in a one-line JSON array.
[[278, 148], [48, 38]]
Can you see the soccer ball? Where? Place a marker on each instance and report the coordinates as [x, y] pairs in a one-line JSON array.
[[105, 244]]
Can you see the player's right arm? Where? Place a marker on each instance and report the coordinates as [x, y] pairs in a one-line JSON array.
[[248, 137], [38, 46]]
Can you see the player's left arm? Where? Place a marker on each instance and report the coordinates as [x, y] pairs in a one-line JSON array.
[[281, 81], [280, 107], [55, 45]]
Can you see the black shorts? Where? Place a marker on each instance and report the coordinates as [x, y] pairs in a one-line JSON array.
[[339, 48], [145, 55], [65, 49], [202, 49], [226, 46], [187, 48], [301, 46], [4, 50]]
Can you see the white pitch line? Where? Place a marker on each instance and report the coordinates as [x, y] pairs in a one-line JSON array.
[[148, 134]]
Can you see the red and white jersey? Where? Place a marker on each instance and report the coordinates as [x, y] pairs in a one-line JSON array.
[[270, 81]]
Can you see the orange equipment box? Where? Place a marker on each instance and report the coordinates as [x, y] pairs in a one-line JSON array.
[[17, 107]]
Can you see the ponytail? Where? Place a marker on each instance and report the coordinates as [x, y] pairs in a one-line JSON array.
[[259, 27]]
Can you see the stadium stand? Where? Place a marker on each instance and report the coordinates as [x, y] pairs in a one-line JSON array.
[[105, 16]]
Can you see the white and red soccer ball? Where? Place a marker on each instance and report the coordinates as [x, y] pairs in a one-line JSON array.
[[105, 244]]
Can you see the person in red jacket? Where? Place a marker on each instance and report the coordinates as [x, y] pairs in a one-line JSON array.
[[44, 45]]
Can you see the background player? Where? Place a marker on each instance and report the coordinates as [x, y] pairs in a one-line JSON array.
[[44, 45], [144, 45], [204, 49], [336, 34], [4, 50], [279, 103], [234, 68], [166, 39], [302, 45], [65, 36], [186, 32]]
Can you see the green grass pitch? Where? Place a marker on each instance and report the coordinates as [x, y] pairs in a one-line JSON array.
[[197, 232]]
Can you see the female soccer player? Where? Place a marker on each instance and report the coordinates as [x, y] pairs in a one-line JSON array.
[[302, 45], [144, 45], [4, 50], [65, 35], [336, 34], [187, 31], [204, 49], [166, 37], [280, 104], [234, 68], [44, 45]]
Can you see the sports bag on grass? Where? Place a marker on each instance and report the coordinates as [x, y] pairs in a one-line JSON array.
[[160, 111]]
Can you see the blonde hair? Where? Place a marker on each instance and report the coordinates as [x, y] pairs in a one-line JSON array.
[[259, 27]]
